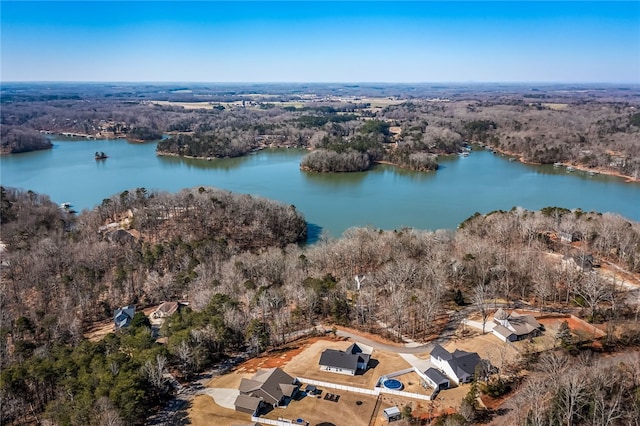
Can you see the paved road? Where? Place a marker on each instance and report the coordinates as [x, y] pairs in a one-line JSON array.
[[452, 325]]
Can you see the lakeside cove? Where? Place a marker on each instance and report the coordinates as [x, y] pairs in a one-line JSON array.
[[383, 197]]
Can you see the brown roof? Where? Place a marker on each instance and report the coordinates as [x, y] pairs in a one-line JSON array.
[[247, 401], [271, 384], [249, 385], [520, 324], [503, 331]]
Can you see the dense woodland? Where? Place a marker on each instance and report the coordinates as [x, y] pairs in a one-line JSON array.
[[353, 126], [238, 261], [19, 139]]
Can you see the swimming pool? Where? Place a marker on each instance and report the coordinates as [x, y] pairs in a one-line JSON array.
[[392, 384]]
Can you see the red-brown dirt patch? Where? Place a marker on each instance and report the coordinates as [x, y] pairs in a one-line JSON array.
[[277, 358]]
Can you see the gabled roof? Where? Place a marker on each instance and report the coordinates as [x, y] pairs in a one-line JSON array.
[[440, 352], [248, 385], [339, 359], [391, 411], [359, 348], [462, 363], [167, 308], [500, 314], [247, 401], [436, 376], [123, 316], [502, 330], [271, 385], [520, 324]]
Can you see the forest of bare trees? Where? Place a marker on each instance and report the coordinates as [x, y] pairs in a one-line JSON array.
[[237, 259]]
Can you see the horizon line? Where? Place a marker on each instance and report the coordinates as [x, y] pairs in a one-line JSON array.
[[312, 82]]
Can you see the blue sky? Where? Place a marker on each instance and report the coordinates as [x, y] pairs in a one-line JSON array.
[[321, 41]]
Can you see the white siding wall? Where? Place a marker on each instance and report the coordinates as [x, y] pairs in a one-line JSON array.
[[338, 370], [499, 336], [446, 368]]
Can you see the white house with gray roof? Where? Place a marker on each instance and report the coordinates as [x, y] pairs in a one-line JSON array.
[[459, 366], [355, 357]]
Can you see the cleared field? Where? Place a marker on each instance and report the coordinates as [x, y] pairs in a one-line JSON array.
[[306, 364], [186, 105], [556, 107], [319, 410], [205, 412], [381, 102]]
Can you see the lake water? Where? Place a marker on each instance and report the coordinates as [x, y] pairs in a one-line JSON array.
[[384, 197]]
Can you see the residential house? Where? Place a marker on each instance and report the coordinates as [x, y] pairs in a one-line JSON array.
[[459, 366], [122, 316], [166, 309], [514, 326], [355, 357], [267, 387]]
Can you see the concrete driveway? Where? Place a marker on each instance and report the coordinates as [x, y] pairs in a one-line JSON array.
[[477, 324], [421, 364], [224, 397]]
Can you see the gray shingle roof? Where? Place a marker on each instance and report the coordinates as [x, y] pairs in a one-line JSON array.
[[464, 362], [461, 362], [339, 359], [436, 376], [440, 352]]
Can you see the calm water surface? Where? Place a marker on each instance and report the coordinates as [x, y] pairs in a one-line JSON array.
[[385, 197]]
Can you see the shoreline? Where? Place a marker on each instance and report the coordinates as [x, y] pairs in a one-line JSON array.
[[583, 168]]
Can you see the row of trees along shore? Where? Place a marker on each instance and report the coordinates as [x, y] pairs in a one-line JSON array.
[[596, 131], [240, 262]]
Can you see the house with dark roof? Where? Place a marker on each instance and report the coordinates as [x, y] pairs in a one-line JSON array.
[[355, 357], [436, 379], [459, 366], [122, 316], [267, 387], [514, 326]]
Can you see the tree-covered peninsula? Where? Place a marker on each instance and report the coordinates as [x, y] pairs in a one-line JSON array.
[[14, 139]]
